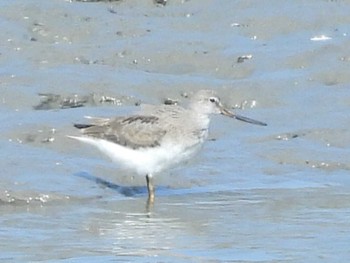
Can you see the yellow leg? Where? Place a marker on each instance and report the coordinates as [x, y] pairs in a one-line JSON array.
[[150, 188]]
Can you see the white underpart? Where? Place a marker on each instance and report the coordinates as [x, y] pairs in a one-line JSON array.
[[142, 160]]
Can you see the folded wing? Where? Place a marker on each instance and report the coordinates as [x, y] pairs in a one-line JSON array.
[[138, 131]]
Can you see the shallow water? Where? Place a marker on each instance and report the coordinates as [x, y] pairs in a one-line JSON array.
[[254, 194]]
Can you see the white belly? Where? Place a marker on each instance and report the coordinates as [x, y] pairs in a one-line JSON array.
[[143, 160]]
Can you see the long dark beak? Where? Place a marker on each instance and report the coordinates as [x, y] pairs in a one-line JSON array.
[[241, 118]]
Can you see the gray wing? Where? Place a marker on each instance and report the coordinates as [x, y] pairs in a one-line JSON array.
[[139, 131]]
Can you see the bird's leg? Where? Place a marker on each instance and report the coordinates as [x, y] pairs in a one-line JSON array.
[[150, 188]]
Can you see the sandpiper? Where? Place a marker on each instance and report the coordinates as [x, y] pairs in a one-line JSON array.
[[158, 136]]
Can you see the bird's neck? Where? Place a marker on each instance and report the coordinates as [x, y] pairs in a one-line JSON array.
[[203, 120]]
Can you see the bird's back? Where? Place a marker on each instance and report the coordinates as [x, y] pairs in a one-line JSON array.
[[151, 127], [182, 125]]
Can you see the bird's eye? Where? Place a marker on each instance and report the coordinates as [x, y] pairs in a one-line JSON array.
[[212, 100]]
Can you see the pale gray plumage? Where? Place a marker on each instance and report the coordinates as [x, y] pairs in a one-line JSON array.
[[133, 132], [157, 137]]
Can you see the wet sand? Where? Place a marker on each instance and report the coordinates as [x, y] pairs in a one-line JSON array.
[[254, 194]]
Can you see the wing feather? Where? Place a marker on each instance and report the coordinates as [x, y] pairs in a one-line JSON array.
[[138, 131]]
